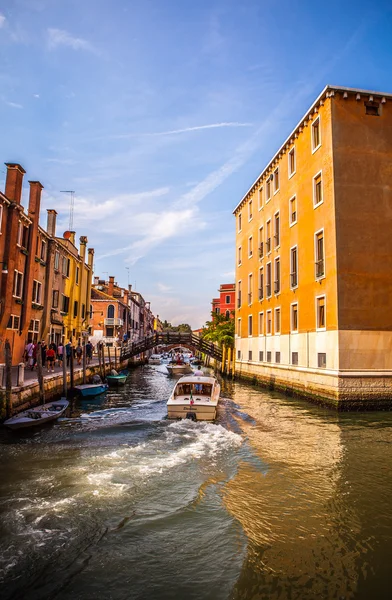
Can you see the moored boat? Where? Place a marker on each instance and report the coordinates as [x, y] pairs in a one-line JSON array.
[[118, 379], [155, 359], [91, 389], [38, 415], [194, 397]]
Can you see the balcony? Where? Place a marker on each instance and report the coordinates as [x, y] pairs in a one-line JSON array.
[[113, 322], [319, 264]]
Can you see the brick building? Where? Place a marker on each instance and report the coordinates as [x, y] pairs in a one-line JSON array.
[[314, 256], [225, 304]]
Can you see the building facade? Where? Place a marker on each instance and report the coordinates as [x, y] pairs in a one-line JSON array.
[[35, 274], [314, 256], [225, 304]]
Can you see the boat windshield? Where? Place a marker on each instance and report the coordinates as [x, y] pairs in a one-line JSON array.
[[201, 389]]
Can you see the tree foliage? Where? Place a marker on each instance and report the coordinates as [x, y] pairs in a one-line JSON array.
[[219, 330], [183, 327]]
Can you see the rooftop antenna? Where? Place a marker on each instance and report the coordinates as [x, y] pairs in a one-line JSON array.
[[71, 206], [127, 268]]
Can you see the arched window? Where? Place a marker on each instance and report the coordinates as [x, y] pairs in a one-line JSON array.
[[227, 314], [110, 311]]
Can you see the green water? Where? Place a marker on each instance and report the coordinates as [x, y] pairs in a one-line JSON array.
[[279, 499]]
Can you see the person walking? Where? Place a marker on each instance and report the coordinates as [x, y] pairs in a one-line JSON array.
[[89, 352], [79, 353], [60, 352], [28, 355], [50, 358], [34, 356], [44, 349], [68, 352]]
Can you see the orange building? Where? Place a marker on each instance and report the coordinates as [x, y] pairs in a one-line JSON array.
[[314, 256]]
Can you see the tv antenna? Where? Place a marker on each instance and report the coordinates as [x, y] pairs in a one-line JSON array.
[[71, 206]]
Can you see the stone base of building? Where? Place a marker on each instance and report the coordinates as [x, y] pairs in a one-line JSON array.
[[341, 390]]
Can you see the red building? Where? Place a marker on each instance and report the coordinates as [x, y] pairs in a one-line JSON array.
[[225, 304]]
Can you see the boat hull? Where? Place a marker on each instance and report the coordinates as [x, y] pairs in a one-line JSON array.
[[114, 380], [23, 421], [196, 411], [91, 389], [178, 369]]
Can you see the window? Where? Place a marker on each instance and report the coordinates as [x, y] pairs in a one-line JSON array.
[[261, 245], [239, 354], [55, 299], [227, 299], [277, 320], [268, 239], [250, 209], [292, 161], [250, 325], [372, 108], [250, 288], [23, 235], [277, 276], [293, 210], [294, 358], [19, 236], [239, 327], [217, 310], [316, 134], [110, 311], [317, 190], [77, 275], [268, 189], [83, 311], [37, 292], [13, 322], [1, 216], [320, 312], [319, 254], [227, 314], [65, 304], [250, 355], [261, 283], [76, 308], [277, 357], [43, 250], [276, 180], [293, 267], [109, 331], [269, 356], [261, 356], [239, 255], [261, 323], [250, 247], [33, 331], [66, 266], [260, 198], [294, 317], [322, 360], [18, 284], [239, 222], [56, 260], [268, 291], [269, 322], [239, 295], [277, 230]]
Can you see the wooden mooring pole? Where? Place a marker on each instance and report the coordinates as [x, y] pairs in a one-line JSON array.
[[99, 352], [115, 357], [64, 373], [84, 362], [110, 364], [71, 370], [8, 378], [40, 374]]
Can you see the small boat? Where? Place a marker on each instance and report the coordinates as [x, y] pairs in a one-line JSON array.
[[118, 379], [155, 359], [38, 415], [178, 368], [91, 389], [194, 397]]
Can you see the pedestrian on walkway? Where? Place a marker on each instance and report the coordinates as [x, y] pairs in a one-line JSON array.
[[60, 352], [79, 353], [50, 358], [28, 354], [44, 349], [89, 352], [34, 356], [68, 352]]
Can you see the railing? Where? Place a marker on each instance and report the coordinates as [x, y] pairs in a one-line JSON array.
[[170, 337], [319, 267], [111, 322]]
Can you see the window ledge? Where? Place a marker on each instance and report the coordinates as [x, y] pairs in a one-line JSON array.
[[318, 204], [316, 148]]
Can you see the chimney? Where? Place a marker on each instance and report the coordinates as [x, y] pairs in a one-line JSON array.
[[111, 285], [130, 287], [126, 296], [83, 242], [91, 260], [51, 223], [14, 182], [35, 199], [96, 280]]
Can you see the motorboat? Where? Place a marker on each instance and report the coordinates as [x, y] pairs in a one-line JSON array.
[[194, 397], [38, 415], [176, 368], [91, 389], [155, 359]]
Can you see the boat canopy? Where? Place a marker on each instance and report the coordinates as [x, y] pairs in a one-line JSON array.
[[186, 389]]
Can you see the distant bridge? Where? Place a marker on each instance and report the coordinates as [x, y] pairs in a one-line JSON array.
[[189, 340]]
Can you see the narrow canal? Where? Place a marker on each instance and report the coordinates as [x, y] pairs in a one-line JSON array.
[[277, 500]]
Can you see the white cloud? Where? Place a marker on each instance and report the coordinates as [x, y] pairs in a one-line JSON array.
[[184, 130], [2, 21], [35, 95], [59, 37], [164, 288], [13, 104]]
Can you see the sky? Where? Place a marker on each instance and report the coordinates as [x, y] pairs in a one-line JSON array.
[[160, 114]]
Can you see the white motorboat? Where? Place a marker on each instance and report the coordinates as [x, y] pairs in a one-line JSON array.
[[179, 368], [194, 397], [155, 359], [38, 415]]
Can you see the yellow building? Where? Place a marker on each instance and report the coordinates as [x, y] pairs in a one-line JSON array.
[[75, 301], [314, 256]]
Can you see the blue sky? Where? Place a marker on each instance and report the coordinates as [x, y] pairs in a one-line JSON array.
[[160, 114]]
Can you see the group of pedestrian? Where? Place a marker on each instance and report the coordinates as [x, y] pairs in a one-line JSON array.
[[55, 353]]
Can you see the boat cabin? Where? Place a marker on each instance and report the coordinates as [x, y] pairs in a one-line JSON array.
[[186, 389]]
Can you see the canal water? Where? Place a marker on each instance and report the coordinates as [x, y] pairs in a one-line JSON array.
[[278, 499]]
